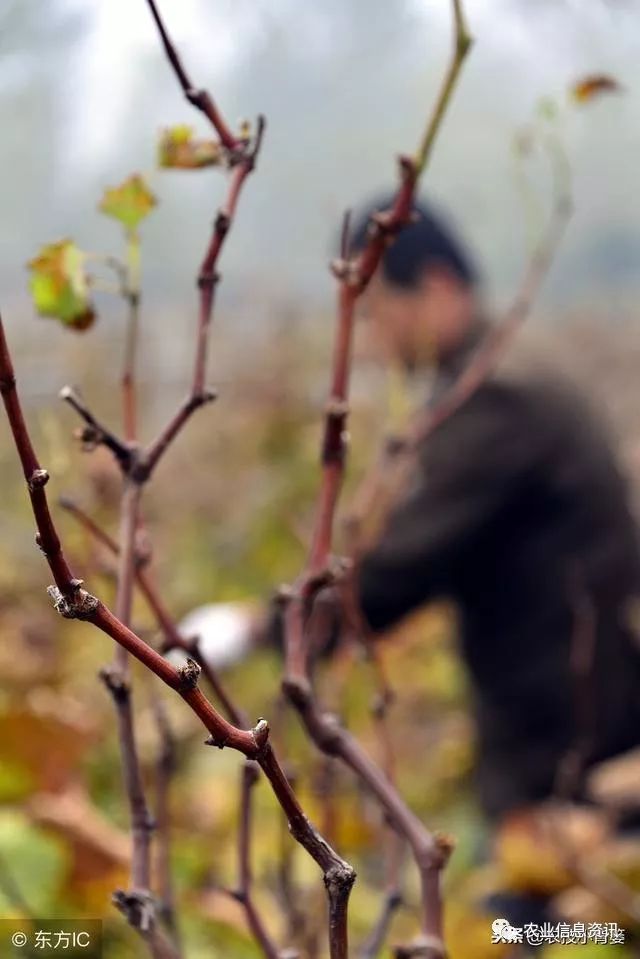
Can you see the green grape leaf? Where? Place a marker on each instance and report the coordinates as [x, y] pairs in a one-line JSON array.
[[179, 150], [37, 863], [59, 285], [130, 202]]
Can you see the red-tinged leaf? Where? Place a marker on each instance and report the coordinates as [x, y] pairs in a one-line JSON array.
[[59, 285]]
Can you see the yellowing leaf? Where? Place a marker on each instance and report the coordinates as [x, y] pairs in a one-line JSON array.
[[130, 202], [468, 932], [530, 844], [59, 284], [590, 87], [178, 150]]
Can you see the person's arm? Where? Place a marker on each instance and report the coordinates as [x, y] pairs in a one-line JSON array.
[[468, 471]]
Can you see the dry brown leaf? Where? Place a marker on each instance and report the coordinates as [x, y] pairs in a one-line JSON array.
[[593, 86], [47, 738], [74, 816], [101, 853]]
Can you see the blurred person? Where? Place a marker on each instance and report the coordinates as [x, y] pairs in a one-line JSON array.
[[519, 514], [230, 633]]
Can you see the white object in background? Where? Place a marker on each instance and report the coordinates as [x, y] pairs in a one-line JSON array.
[[225, 631]]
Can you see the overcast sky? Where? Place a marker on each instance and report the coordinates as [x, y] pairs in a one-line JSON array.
[[345, 85]]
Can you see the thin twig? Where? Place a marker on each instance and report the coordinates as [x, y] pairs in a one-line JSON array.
[[243, 155], [95, 433], [158, 447], [207, 281], [165, 770], [116, 677], [431, 852], [463, 43], [395, 843], [243, 894], [374, 944], [287, 889], [198, 98]]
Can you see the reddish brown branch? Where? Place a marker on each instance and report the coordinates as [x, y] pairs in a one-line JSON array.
[[36, 478], [165, 770], [354, 276], [430, 852], [207, 281], [87, 523], [243, 894], [140, 464], [129, 518], [116, 679], [288, 892], [395, 844], [207, 277], [73, 602], [198, 98], [158, 447], [142, 823], [338, 875], [242, 155]]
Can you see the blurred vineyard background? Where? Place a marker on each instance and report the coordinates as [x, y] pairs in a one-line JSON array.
[[83, 91]]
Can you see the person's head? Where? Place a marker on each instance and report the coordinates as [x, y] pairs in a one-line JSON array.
[[423, 298]]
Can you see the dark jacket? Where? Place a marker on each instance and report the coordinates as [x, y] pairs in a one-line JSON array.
[[519, 514]]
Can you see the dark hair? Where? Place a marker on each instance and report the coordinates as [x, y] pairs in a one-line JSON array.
[[420, 244]]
